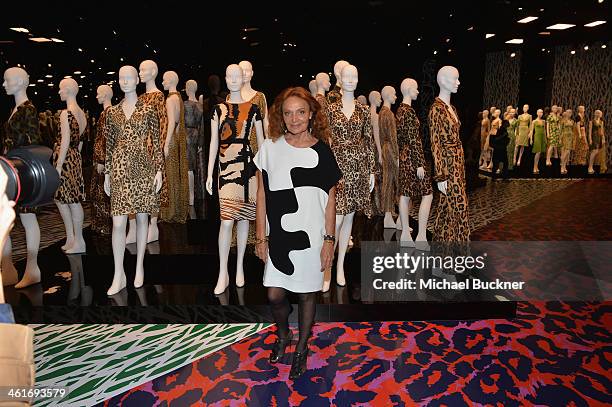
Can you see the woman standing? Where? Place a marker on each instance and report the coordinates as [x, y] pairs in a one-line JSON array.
[[297, 174]]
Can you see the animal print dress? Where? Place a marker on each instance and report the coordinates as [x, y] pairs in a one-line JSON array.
[[100, 202], [352, 143], [71, 188], [131, 161], [390, 170], [451, 223], [334, 95]]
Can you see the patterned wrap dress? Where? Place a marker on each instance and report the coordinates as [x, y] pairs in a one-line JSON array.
[[176, 208], [22, 129], [522, 135], [237, 182], [539, 136], [411, 154], [352, 143], [567, 134], [72, 188], [554, 130], [133, 157], [260, 100], [451, 223], [513, 124], [334, 95], [157, 100], [195, 134], [581, 143], [322, 101], [390, 156], [100, 202]]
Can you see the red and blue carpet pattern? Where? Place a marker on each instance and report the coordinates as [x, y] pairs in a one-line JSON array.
[[552, 354]]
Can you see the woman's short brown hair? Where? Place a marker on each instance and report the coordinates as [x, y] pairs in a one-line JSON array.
[[319, 127]]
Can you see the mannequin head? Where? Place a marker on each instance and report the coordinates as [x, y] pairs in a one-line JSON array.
[[511, 114], [540, 113], [68, 88], [247, 71], [496, 113], [448, 79], [349, 78], [128, 78], [323, 82], [598, 114], [233, 77], [170, 80], [375, 98], [485, 114], [191, 87], [525, 108], [388, 94], [492, 110], [581, 110], [312, 87], [15, 79], [338, 67], [362, 99], [148, 70], [553, 109], [104, 93], [409, 89], [508, 108]]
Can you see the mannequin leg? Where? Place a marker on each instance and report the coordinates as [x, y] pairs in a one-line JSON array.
[[592, 160], [421, 239], [564, 156], [548, 155], [32, 232], [516, 148], [9, 272], [389, 223], [536, 161], [131, 236], [345, 233], [490, 166], [191, 186], [225, 240], [153, 233], [77, 216], [522, 148], [142, 228], [556, 152], [404, 207], [64, 211], [118, 241], [242, 235]]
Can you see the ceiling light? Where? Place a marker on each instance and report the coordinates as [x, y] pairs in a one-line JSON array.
[[50, 84], [471, 28], [515, 41], [603, 46], [560, 26], [527, 20], [448, 40], [110, 73], [39, 39], [520, 8], [489, 35], [32, 84], [586, 47], [512, 55], [56, 40], [435, 52], [77, 72], [544, 33], [20, 29], [40, 80], [82, 76], [80, 49], [595, 23], [92, 61], [572, 52], [543, 49], [67, 77], [48, 76]]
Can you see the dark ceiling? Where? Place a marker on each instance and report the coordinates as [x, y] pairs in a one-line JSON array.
[[287, 42]]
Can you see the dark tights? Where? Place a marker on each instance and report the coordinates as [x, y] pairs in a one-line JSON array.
[[281, 309]]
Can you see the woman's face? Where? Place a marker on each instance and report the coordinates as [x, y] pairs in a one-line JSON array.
[[296, 114]]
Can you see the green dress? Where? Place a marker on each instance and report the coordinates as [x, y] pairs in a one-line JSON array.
[[524, 122], [596, 133], [554, 130], [539, 136], [512, 136], [567, 134]]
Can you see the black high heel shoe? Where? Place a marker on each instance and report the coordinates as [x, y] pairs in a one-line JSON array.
[[279, 347], [298, 366]]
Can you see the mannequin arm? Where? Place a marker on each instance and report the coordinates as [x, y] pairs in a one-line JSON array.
[[172, 119], [212, 152], [65, 141], [110, 146], [530, 132], [266, 122], [376, 132], [437, 150], [547, 130], [158, 158], [590, 133]]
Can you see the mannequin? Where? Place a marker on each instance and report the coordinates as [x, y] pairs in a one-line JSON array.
[[451, 223], [499, 144], [193, 126], [362, 99], [21, 129], [485, 129], [336, 93], [567, 139], [236, 198], [100, 204], [522, 135], [390, 155], [312, 86], [597, 138], [492, 110], [512, 126], [537, 138], [581, 149], [132, 175], [256, 97], [153, 96], [351, 143], [507, 112], [375, 103], [323, 85], [495, 125], [175, 155], [414, 180], [68, 163], [553, 134]]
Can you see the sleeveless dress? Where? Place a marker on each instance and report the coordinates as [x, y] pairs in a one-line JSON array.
[[522, 137], [554, 127], [581, 147], [596, 135], [567, 134], [539, 136], [513, 124], [71, 188]]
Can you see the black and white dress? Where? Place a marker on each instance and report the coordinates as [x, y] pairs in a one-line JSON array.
[[297, 183]]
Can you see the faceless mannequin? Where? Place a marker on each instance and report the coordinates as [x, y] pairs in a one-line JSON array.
[[597, 138], [495, 125], [448, 81], [248, 93], [104, 96], [234, 80], [16, 81], [518, 148], [336, 93], [169, 82], [552, 126], [410, 92], [312, 87], [536, 158], [191, 88], [362, 99], [389, 97], [323, 83], [565, 152], [485, 129], [375, 102], [128, 80], [72, 214]]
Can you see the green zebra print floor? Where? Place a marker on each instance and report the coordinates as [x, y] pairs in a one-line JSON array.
[[96, 362]]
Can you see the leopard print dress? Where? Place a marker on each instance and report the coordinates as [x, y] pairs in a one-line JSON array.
[[334, 95], [352, 143], [72, 188], [100, 203], [390, 170], [411, 154], [451, 223], [131, 161]]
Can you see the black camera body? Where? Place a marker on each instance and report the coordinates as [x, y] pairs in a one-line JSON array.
[[32, 179]]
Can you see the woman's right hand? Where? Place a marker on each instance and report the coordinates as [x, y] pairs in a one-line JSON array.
[[261, 250]]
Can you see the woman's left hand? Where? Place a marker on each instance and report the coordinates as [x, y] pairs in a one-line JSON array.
[[327, 255]]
